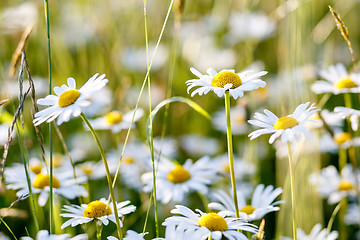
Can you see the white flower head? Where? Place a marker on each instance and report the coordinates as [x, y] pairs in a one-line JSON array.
[[338, 80], [349, 112], [290, 127], [335, 186], [174, 181], [116, 121], [225, 80], [98, 211], [262, 202], [340, 140], [68, 101], [317, 233], [201, 224], [64, 184], [352, 216], [197, 145]]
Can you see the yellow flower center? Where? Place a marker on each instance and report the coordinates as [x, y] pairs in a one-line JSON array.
[[87, 170], [248, 209], [345, 83], [341, 138], [178, 175], [285, 122], [225, 77], [68, 97], [36, 168], [113, 117], [129, 160], [345, 185], [226, 168], [43, 180], [213, 222], [97, 209], [240, 120]]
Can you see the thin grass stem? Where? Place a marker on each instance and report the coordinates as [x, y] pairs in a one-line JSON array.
[[47, 19], [230, 152], [292, 186], [332, 218], [102, 153], [8, 228]]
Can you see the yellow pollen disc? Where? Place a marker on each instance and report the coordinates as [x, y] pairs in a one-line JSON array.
[[345, 185], [178, 175], [36, 168], [285, 122], [225, 77], [345, 83], [213, 222], [226, 168], [129, 160], [248, 209], [113, 117], [43, 180], [341, 138], [68, 97], [87, 170], [97, 209]]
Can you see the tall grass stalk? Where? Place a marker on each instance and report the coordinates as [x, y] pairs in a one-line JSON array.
[[47, 19], [291, 170], [230, 151], [151, 142], [102, 153]]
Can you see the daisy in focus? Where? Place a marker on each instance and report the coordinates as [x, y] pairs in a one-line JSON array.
[[338, 80], [262, 202], [317, 233], [202, 225], [289, 127], [98, 211], [68, 101], [174, 181], [115, 121], [64, 184], [334, 186], [225, 80]]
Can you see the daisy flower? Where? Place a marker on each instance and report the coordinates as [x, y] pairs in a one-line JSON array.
[[64, 184], [237, 118], [225, 80], [198, 145], [333, 185], [338, 80], [340, 140], [68, 101], [91, 170], [115, 121], [354, 115], [174, 181], [44, 235], [98, 211], [289, 127], [317, 233], [202, 225], [262, 202], [352, 216]]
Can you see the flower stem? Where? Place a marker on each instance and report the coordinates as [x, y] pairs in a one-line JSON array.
[[47, 19], [102, 153], [292, 190], [332, 218], [230, 151]]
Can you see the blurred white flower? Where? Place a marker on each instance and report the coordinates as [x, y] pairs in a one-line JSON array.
[[341, 140], [197, 145], [249, 26], [167, 146], [237, 117], [353, 113], [18, 18], [100, 103], [157, 95], [317, 233], [352, 216], [334, 186]]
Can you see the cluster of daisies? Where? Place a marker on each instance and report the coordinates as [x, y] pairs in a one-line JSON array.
[[208, 176]]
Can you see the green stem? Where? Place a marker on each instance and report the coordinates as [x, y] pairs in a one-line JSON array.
[[98, 231], [230, 151], [47, 19], [292, 190], [102, 153], [332, 218]]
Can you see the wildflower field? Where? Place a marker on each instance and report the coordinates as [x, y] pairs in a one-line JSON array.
[[179, 120]]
